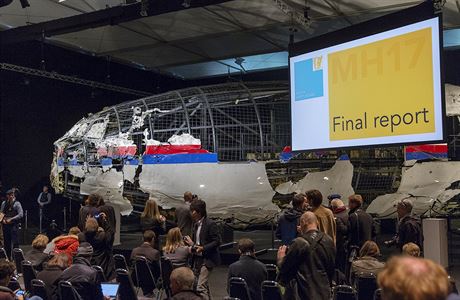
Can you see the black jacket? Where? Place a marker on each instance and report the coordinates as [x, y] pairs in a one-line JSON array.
[[85, 212], [51, 276], [310, 261], [37, 258], [410, 230], [360, 227], [252, 271], [287, 225], [156, 226], [83, 278], [102, 249], [210, 240], [111, 218], [341, 239]]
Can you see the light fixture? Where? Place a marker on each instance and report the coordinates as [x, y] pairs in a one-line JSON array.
[[144, 8], [186, 3]]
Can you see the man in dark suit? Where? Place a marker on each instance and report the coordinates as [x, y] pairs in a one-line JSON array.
[[205, 243], [183, 217], [146, 249], [249, 268]]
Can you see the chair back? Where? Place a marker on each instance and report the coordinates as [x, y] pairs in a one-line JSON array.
[[378, 294], [120, 262], [145, 277], [271, 290], [366, 284], [18, 257], [272, 272], [239, 288], [67, 291], [126, 289], [3, 254], [100, 273], [344, 292], [14, 284], [166, 270], [29, 274], [39, 289]]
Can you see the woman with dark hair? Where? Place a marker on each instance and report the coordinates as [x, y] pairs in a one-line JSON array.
[[51, 273], [110, 213], [151, 219], [89, 210], [175, 248]]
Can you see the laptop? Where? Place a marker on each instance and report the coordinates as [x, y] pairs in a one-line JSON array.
[[110, 289]]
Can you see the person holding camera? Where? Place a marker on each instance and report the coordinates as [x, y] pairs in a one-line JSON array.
[[204, 244], [100, 238]]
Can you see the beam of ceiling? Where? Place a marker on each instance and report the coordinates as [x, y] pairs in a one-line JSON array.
[[109, 16]]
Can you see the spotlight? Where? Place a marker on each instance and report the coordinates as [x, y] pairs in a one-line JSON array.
[[24, 3], [144, 8]]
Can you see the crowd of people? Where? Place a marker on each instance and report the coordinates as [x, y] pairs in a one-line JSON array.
[[321, 247]]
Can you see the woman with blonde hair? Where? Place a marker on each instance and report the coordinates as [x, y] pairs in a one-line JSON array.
[[36, 255], [151, 219], [175, 248]]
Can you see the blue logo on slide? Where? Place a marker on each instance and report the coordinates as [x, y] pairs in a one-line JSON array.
[[308, 79]]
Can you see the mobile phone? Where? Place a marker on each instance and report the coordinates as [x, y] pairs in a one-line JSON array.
[[19, 293]]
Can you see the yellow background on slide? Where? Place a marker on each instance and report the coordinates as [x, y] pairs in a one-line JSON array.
[[388, 77]]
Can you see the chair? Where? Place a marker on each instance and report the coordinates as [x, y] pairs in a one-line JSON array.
[[126, 289], [239, 288], [271, 290], [166, 268], [100, 273], [146, 277], [230, 298], [366, 284], [18, 257], [67, 291], [3, 254], [120, 262], [344, 292], [39, 289], [378, 294], [272, 272], [29, 274], [14, 284]]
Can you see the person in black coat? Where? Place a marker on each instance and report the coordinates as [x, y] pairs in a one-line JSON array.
[[205, 243], [52, 272], [89, 210], [82, 276], [341, 238], [289, 220], [249, 268], [109, 211], [409, 226], [100, 238], [310, 261], [360, 223], [151, 219], [36, 255]]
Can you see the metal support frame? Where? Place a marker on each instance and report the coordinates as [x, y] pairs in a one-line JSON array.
[[211, 118], [70, 79]]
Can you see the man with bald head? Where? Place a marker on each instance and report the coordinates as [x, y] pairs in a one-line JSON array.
[[182, 280], [341, 219], [412, 278], [310, 261]]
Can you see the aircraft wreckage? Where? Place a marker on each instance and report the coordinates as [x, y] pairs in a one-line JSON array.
[[220, 142]]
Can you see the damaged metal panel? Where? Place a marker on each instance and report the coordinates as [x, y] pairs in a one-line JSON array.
[[240, 189], [107, 184], [336, 180], [425, 184], [452, 100]]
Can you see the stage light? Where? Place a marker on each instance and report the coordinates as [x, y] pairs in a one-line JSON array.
[[186, 3], [24, 3], [144, 8]]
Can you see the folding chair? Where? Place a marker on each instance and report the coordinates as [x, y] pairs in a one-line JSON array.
[[120, 262], [67, 291], [166, 268], [100, 273], [272, 272], [146, 277], [3, 254], [271, 290], [126, 290], [39, 289], [18, 257], [29, 274], [378, 294], [366, 284], [344, 292], [239, 288]]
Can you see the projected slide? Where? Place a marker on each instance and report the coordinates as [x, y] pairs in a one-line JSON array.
[[380, 89]]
